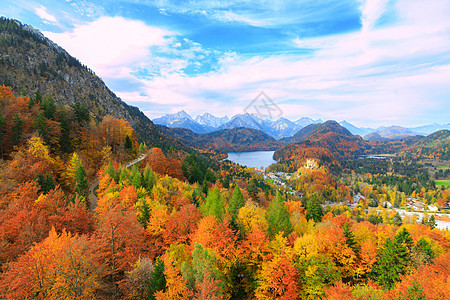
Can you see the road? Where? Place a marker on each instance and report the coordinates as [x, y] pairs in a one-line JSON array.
[[92, 197]]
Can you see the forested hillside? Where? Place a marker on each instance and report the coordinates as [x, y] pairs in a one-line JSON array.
[[32, 64], [225, 140]]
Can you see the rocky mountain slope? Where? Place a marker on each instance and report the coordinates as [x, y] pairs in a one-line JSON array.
[[30, 62]]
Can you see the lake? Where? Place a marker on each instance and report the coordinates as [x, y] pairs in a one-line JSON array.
[[256, 159]]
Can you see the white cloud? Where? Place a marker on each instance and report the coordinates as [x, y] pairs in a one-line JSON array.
[[373, 77], [111, 45], [42, 13]]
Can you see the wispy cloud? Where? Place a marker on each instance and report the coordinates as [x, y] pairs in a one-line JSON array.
[[42, 13], [370, 62]]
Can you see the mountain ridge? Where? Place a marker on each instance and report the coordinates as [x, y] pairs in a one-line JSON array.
[[30, 63]]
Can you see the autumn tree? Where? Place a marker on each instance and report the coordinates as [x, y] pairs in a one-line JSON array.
[[60, 267]]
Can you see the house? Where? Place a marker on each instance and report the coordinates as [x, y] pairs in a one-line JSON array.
[[358, 197], [418, 206], [433, 208]]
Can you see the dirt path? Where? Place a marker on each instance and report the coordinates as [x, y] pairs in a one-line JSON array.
[[92, 198]]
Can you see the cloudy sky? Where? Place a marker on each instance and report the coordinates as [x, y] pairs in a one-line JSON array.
[[370, 62]]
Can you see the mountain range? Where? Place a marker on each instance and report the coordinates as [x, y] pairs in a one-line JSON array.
[[283, 128], [31, 63]]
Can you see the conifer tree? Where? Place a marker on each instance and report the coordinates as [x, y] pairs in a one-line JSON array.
[[350, 239], [278, 217], [149, 178], [314, 209], [397, 220], [393, 259], [16, 130], [158, 281], [81, 186], [236, 202], [112, 172], [214, 205]]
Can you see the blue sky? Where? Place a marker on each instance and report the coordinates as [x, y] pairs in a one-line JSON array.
[[370, 62]]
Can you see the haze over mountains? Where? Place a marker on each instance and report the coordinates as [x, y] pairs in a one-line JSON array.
[[285, 128]]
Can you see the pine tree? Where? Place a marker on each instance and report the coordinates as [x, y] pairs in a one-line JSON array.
[[16, 130], [2, 133], [397, 220], [214, 205], [41, 125], [393, 259], [45, 182], [128, 143], [81, 186], [432, 222], [149, 178], [123, 175], [350, 239], [158, 281], [112, 172], [236, 202], [136, 177], [314, 209], [278, 217], [144, 213], [423, 246]]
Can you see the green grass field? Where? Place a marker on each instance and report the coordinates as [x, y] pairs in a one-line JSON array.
[[443, 168], [445, 183]]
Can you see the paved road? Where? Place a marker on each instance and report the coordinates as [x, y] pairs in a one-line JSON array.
[[92, 198]]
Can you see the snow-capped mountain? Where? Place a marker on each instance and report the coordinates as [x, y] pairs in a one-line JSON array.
[[210, 120], [169, 118], [305, 121], [283, 127], [245, 120]]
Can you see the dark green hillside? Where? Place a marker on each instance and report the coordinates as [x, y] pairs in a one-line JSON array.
[[225, 140]]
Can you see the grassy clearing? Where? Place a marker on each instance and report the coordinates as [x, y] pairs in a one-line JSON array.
[[445, 183], [443, 168]]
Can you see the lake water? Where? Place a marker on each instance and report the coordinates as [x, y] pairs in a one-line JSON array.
[[252, 159]]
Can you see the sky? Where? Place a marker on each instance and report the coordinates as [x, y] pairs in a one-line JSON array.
[[370, 62]]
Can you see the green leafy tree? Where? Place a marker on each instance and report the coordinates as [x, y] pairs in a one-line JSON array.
[[397, 220], [49, 107], [136, 177], [149, 178], [158, 281], [45, 182], [236, 202], [191, 169], [278, 217], [350, 239], [144, 213], [128, 143], [123, 175], [2, 134], [112, 172], [17, 130], [432, 222], [314, 210], [214, 205], [393, 259], [41, 125], [204, 262], [81, 185]]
